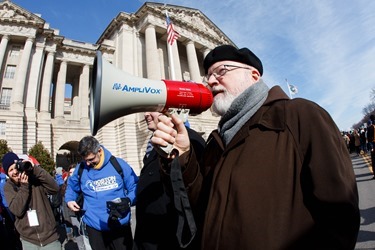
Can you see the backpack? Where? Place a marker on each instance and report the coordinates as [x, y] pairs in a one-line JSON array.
[[114, 163], [56, 199]]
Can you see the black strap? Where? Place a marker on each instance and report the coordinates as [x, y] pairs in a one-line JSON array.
[[117, 166], [182, 206], [80, 170]]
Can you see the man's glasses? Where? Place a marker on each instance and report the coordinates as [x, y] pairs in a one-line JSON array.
[[91, 159], [221, 70]]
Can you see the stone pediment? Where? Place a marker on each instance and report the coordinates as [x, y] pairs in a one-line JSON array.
[[191, 23], [10, 12], [187, 20]]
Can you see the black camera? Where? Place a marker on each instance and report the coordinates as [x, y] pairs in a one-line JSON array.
[[118, 209], [23, 166]]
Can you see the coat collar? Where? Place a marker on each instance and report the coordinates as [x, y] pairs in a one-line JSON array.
[[269, 115]]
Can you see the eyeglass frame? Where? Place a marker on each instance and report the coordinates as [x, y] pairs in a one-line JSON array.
[[224, 69], [92, 159]]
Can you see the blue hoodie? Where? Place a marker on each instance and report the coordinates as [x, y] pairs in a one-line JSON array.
[[3, 180], [98, 187]]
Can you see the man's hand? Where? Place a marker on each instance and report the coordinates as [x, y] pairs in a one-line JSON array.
[[24, 178], [171, 130], [73, 206]]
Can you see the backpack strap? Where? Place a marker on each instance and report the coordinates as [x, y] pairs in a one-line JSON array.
[[117, 166], [80, 170]]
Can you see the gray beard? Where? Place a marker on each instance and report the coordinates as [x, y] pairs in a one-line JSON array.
[[242, 109]]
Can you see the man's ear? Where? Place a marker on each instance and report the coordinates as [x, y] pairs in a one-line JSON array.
[[255, 74]]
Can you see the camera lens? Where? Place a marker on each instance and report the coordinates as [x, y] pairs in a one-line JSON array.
[[23, 166]]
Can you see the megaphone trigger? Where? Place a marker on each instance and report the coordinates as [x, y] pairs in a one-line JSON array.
[[181, 113], [164, 151]]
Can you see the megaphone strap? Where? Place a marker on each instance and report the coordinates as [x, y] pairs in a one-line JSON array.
[[182, 205]]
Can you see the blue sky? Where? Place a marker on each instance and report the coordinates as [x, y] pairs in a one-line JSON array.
[[325, 48]]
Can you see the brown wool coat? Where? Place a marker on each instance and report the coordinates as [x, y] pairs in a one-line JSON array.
[[22, 198], [285, 181]]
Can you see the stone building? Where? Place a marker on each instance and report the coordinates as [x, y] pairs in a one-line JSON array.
[[38, 66]]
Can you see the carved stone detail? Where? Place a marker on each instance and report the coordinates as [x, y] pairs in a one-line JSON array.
[[74, 57], [17, 30]]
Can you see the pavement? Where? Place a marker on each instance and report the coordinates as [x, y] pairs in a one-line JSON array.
[[366, 190]]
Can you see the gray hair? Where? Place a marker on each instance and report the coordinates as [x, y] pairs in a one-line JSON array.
[[88, 145]]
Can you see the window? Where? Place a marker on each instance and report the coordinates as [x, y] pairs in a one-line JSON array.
[[3, 127], [15, 51], [10, 72], [6, 93]]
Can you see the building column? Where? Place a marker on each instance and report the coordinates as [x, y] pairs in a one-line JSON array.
[[60, 90], [32, 89], [75, 101], [84, 91], [17, 98], [3, 48], [46, 86], [176, 61], [139, 55], [152, 56], [193, 62], [135, 52]]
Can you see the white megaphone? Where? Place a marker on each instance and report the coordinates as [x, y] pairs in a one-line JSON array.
[[114, 93]]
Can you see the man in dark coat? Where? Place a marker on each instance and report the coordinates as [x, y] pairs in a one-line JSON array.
[[156, 214], [371, 141], [276, 174]]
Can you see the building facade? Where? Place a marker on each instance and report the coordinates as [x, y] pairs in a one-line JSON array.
[[38, 67]]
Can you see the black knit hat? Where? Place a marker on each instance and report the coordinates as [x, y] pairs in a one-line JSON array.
[[230, 53], [8, 160]]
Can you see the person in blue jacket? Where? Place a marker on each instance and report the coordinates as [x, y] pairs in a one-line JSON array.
[[107, 196], [9, 236]]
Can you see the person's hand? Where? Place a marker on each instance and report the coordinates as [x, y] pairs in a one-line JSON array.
[[171, 130], [73, 206], [24, 178]]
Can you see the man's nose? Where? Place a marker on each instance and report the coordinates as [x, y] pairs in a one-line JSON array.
[[212, 81]]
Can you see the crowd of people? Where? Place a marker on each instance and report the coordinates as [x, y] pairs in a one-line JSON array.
[[361, 141], [275, 174]]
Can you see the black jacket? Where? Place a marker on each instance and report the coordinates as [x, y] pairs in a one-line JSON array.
[[155, 212]]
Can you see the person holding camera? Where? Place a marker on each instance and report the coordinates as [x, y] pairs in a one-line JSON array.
[[108, 185], [26, 193]]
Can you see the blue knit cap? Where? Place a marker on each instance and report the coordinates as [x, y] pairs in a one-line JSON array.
[[8, 160]]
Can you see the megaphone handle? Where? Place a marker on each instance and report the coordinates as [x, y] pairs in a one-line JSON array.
[[164, 151]]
